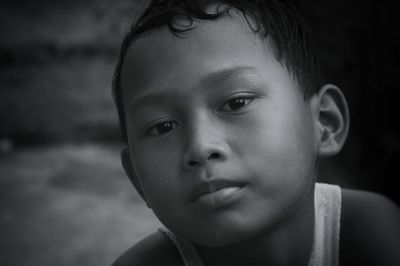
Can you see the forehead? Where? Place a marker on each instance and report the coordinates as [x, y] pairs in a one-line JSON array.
[[161, 59]]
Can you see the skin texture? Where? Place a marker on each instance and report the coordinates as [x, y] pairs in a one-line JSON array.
[[217, 105]]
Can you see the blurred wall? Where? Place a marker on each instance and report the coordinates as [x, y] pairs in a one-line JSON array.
[[57, 59], [57, 62]]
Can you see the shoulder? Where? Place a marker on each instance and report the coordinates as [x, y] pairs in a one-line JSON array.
[[370, 229], [155, 249]]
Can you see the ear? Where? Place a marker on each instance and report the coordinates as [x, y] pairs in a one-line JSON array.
[[333, 120], [130, 171]]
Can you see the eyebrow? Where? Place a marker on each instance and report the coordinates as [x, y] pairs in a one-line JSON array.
[[226, 73], [211, 78]]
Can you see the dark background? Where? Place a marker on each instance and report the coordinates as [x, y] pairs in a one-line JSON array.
[[63, 196]]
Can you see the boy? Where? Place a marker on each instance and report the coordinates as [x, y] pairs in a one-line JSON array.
[[225, 120]]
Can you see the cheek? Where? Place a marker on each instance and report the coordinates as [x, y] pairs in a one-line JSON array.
[[281, 145], [156, 171], [163, 186]]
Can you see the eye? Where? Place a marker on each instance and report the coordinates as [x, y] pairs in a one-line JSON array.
[[162, 128], [236, 103]]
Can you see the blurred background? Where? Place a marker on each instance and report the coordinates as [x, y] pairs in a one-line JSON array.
[[64, 198]]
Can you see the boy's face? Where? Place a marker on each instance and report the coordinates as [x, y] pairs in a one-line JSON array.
[[216, 110]]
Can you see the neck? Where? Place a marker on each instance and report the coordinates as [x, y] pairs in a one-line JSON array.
[[289, 243]]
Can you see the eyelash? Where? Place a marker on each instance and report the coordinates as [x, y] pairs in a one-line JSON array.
[[152, 131], [244, 100]]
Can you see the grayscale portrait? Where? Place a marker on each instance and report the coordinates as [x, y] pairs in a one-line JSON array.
[[177, 132]]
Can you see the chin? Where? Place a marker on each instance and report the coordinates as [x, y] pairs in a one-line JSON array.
[[225, 236]]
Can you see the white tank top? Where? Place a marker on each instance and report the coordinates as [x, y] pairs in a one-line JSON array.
[[325, 251]]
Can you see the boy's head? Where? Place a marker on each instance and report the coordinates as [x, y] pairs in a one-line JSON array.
[[224, 121], [278, 22]]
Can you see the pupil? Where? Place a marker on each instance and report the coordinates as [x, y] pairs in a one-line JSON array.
[[164, 127], [236, 103]]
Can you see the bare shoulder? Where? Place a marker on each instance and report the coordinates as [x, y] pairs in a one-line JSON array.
[[370, 229], [155, 249]]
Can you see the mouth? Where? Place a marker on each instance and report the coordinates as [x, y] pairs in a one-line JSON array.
[[215, 192]]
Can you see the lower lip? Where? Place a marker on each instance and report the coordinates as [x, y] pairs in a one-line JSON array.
[[219, 197]]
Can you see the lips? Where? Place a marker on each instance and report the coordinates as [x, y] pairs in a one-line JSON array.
[[211, 187]]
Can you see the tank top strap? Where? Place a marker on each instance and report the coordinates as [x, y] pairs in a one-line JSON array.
[[328, 201], [188, 252]]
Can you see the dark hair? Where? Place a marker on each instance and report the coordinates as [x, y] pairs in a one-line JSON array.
[[279, 20]]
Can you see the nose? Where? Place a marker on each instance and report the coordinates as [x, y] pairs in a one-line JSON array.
[[204, 145]]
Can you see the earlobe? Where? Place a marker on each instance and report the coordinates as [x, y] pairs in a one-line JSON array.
[[333, 120], [130, 171]]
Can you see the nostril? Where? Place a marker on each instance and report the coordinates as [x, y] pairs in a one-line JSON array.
[[192, 163], [211, 157], [214, 156], [199, 160]]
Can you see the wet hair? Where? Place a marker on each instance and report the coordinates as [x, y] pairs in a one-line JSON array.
[[277, 20]]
